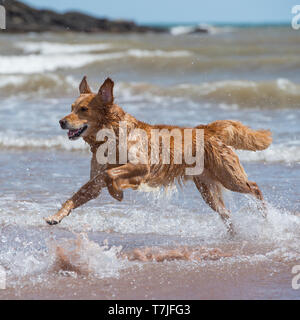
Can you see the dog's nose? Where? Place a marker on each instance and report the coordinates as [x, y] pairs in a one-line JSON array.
[[63, 124]]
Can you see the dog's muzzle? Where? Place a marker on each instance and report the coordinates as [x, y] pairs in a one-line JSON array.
[[76, 133], [73, 134]]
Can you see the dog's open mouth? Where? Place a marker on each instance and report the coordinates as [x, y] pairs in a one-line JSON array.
[[76, 133]]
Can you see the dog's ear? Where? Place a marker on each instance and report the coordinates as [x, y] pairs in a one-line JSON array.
[[106, 91], [84, 87]]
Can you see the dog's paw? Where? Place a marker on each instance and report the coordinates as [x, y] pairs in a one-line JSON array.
[[52, 221]]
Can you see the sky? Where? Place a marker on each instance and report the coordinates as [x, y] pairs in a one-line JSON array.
[[187, 11]]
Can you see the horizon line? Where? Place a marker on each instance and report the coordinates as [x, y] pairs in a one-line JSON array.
[[138, 21]]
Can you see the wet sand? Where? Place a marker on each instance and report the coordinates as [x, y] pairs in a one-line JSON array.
[[176, 280]]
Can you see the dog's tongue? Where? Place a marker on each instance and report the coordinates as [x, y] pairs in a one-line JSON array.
[[72, 132]]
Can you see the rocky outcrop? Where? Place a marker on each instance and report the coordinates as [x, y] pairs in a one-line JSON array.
[[23, 18]]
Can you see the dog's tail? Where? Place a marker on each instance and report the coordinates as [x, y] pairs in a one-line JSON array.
[[235, 134]]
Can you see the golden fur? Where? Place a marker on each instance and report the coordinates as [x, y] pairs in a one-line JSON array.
[[222, 169]]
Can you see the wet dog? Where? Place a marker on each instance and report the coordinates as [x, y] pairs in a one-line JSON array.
[[92, 112]]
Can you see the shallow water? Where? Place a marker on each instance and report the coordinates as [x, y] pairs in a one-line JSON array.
[[244, 74]]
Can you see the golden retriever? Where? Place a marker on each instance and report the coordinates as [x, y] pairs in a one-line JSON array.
[[92, 112]]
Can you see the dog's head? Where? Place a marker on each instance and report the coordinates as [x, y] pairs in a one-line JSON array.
[[89, 111]]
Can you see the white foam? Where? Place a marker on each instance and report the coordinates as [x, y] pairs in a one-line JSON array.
[[218, 90], [182, 30], [287, 85], [166, 218], [22, 263], [36, 83], [209, 87], [179, 30], [45, 47], [34, 259], [157, 53], [11, 80], [35, 63], [163, 217], [88, 257], [275, 153], [58, 142], [277, 237]]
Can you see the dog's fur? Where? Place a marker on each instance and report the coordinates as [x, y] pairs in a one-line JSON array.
[[222, 169]]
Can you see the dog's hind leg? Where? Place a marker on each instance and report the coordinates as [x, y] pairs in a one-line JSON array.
[[212, 195], [250, 187], [89, 191], [243, 185], [227, 169]]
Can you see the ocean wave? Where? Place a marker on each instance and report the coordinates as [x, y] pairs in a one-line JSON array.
[[44, 57], [277, 94], [180, 30], [183, 29], [36, 63], [45, 47], [26, 85], [229, 94], [58, 142], [275, 153], [157, 53]]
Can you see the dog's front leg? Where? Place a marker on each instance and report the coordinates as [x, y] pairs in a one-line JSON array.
[[89, 191], [128, 175]]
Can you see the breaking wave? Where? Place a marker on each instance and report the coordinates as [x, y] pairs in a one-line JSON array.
[[278, 94], [36, 84], [275, 153], [183, 30], [36, 63], [44, 47], [281, 93], [58, 142]]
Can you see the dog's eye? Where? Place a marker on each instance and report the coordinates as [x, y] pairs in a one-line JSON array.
[[83, 109]]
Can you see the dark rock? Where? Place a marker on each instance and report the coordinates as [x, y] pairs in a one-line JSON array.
[[23, 18], [199, 30]]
